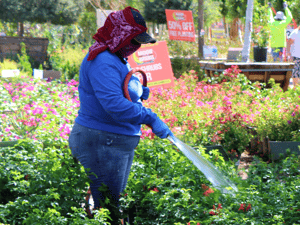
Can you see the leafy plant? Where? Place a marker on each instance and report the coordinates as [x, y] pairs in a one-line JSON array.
[[261, 31], [24, 63]]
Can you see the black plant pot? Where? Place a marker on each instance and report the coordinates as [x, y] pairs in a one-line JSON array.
[[260, 54], [280, 147]]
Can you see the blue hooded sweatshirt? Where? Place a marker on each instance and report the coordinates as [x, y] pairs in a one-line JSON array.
[[102, 102]]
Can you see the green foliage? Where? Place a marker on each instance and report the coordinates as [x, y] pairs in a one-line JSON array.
[[87, 22], [261, 29], [8, 64], [68, 62], [157, 13], [24, 63], [41, 11], [224, 8], [212, 13], [236, 8], [42, 185], [182, 65], [9, 28]]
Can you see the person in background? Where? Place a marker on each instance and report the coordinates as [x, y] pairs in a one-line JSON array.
[[278, 26], [293, 53], [108, 126]]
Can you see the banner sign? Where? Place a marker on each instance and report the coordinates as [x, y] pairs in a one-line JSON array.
[[218, 33], [154, 60], [180, 25], [10, 73]]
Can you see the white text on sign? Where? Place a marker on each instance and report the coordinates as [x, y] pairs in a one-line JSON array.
[[148, 76], [187, 25], [173, 25]]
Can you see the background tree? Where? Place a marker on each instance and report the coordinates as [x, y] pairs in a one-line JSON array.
[[88, 23], [236, 10], [154, 10], [224, 13], [293, 6], [60, 12]]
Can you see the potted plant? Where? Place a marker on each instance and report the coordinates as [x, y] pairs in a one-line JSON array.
[[260, 34]]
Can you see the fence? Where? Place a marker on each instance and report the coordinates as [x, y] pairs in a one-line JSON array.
[[36, 47]]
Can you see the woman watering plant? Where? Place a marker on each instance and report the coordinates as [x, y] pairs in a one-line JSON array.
[[278, 26], [293, 52], [108, 126]]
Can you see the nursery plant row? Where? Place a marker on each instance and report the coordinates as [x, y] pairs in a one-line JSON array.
[[42, 184]]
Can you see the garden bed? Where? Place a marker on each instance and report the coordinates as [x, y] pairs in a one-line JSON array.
[[261, 72], [164, 187]]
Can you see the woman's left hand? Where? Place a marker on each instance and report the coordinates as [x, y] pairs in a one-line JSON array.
[[146, 92]]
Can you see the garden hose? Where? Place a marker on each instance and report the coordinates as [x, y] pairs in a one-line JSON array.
[[210, 171], [127, 78]]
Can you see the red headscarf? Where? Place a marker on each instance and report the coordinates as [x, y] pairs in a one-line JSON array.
[[119, 29]]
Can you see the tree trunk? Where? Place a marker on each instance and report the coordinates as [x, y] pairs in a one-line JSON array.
[[21, 29], [234, 30], [225, 26], [200, 28]]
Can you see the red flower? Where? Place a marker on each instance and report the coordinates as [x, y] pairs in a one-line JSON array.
[[219, 206], [155, 189], [209, 191], [248, 207], [242, 207], [204, 187], [212, 213]]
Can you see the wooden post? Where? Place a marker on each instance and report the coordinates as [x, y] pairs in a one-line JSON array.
[[287, 80], [267, 77]]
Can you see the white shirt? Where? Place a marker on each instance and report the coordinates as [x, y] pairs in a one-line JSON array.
[[295, 47]]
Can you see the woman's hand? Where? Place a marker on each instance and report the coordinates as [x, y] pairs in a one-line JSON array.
[[146, 92], [160, 129]]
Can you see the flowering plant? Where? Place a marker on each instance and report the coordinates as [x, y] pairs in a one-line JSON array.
[[261, 32], [19, 125]]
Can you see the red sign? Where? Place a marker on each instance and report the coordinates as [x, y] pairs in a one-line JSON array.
[[180, 25], [154, 60]]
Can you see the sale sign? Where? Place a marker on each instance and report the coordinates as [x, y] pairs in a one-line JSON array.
[[180, 25], [154, 60]]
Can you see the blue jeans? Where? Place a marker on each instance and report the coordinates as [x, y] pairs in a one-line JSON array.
[[277, 54], [106, 154]]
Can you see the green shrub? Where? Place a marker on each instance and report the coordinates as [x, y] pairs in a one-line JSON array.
[[182, 65], [24, 63], [68, 62], [87, 22]]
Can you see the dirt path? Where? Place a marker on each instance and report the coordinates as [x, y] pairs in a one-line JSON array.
[[245, 162]]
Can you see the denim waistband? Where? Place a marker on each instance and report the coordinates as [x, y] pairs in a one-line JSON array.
[[105, 137]]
